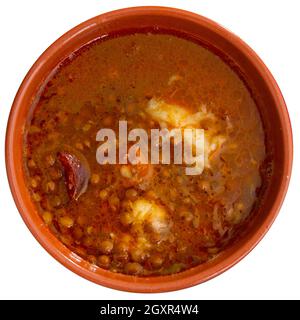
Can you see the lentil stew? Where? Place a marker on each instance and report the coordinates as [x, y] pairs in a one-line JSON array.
[[144, 219]]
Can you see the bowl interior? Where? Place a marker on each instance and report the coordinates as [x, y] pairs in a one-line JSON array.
[[229, 47]]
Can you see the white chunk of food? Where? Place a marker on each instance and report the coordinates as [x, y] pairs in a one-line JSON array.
[[176, 116], [145, 211]]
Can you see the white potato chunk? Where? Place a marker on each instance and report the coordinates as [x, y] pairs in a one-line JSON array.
[[171, 114], [176, 116], [145, 211]]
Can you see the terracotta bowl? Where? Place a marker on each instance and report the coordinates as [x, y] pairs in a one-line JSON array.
[[260, 82]]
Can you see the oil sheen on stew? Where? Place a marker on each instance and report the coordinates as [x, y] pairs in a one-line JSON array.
[[144, 219]]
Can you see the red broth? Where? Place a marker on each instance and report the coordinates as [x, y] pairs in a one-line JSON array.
[[144, 219]]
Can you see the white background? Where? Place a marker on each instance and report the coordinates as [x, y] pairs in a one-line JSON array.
[[271, 28]]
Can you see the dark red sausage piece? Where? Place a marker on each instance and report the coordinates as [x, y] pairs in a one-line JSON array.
[[77, 175]]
